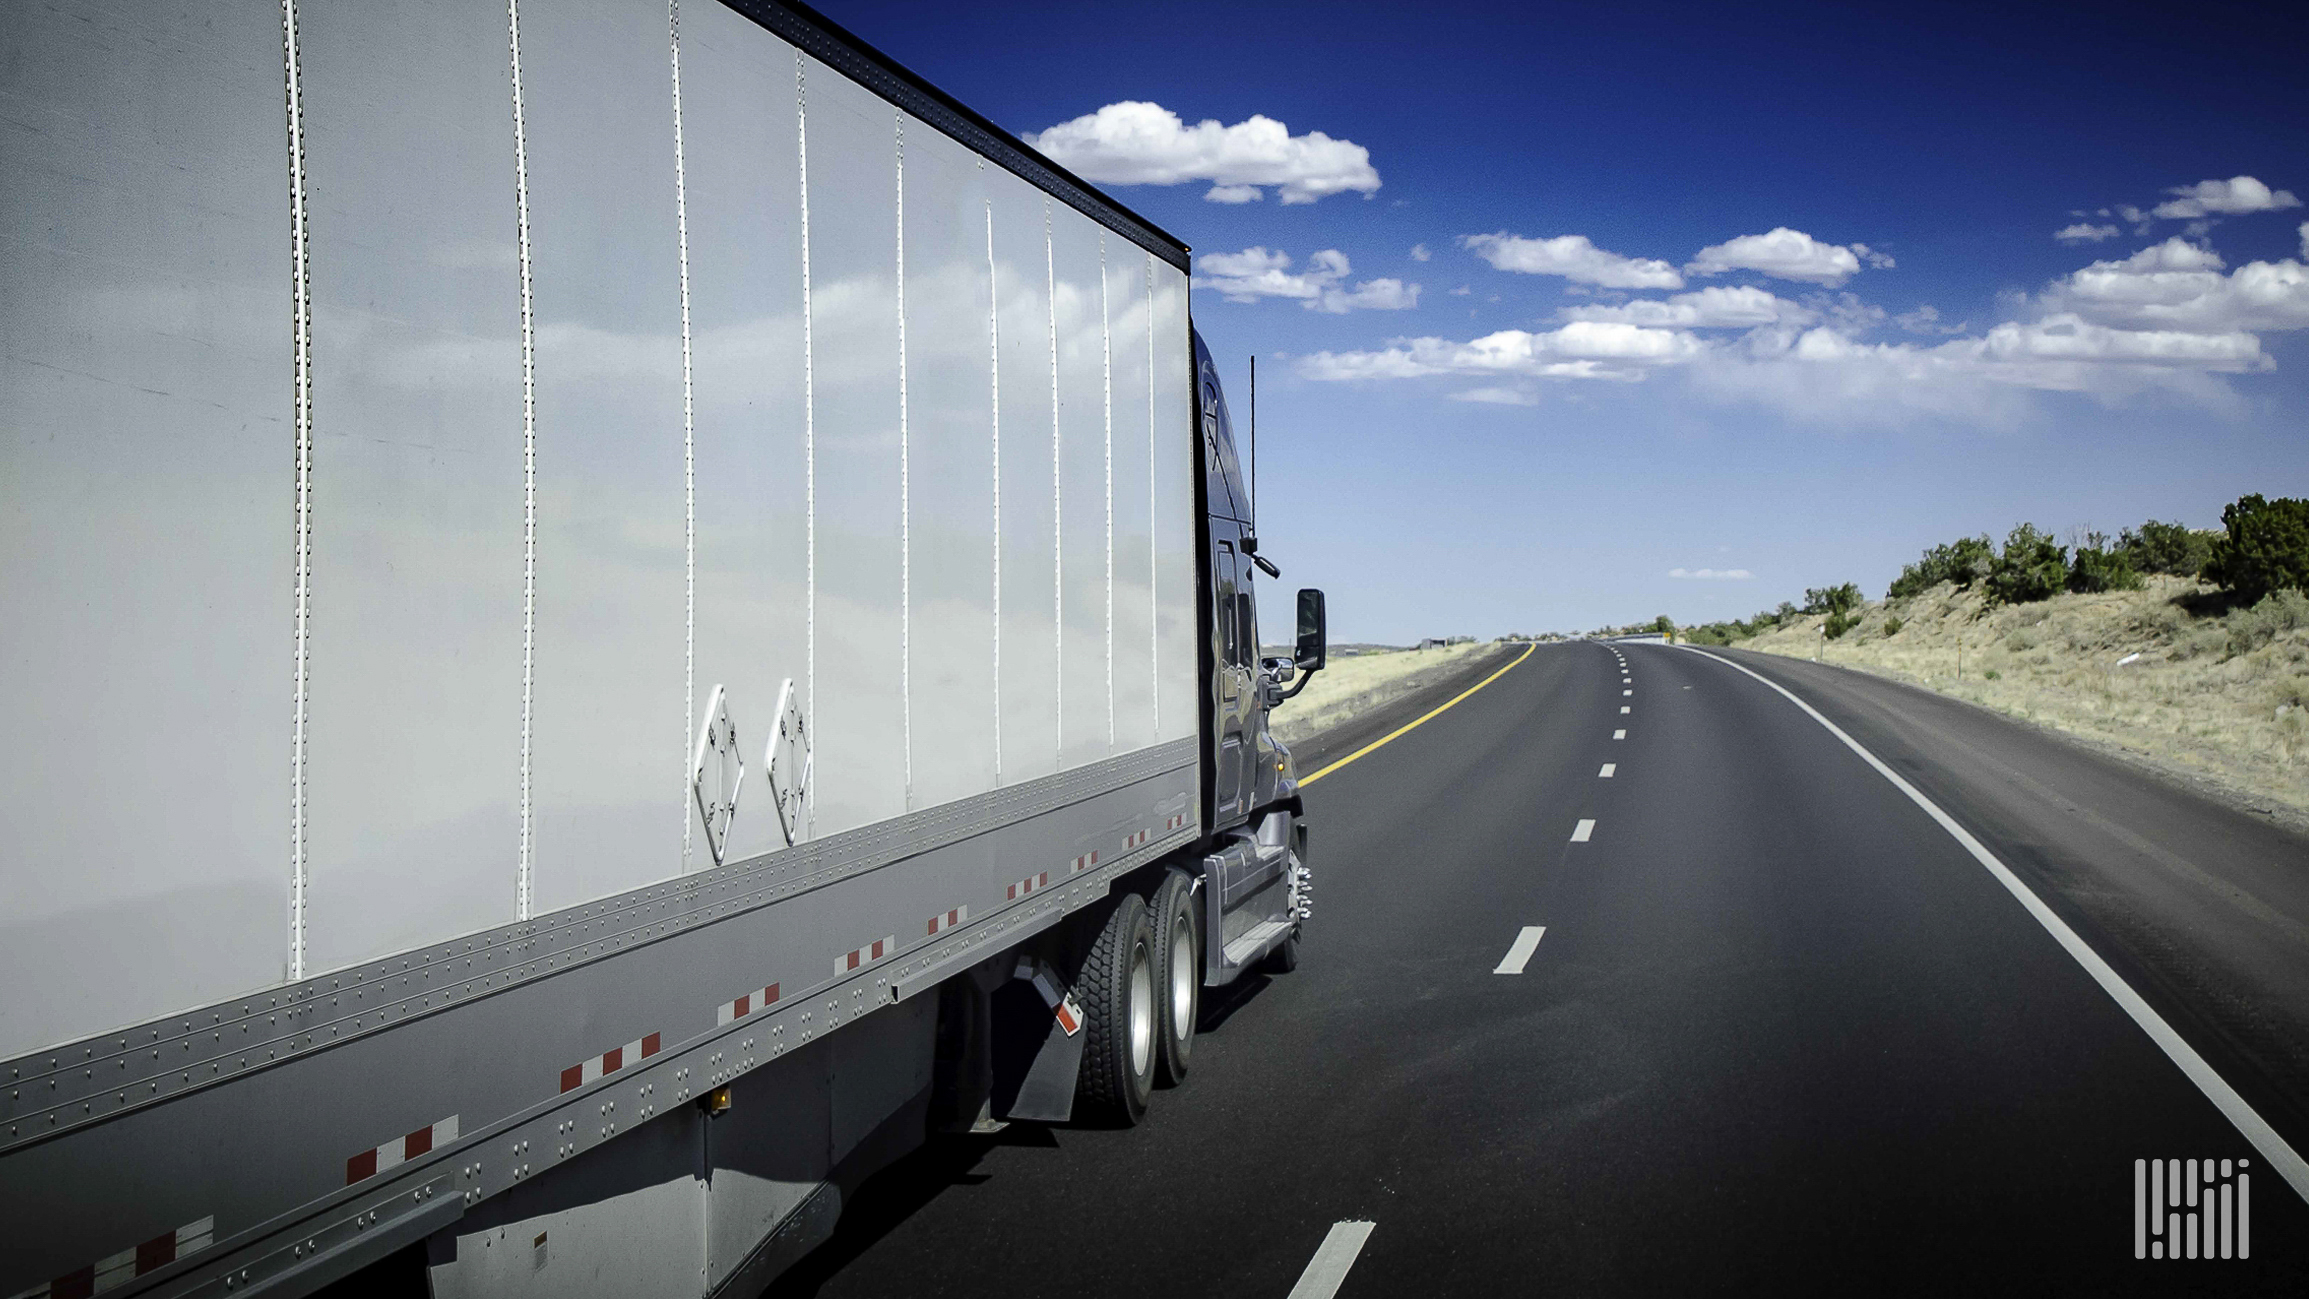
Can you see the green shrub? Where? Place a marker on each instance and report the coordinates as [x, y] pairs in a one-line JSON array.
[[1838, 624], [1832, 599], [1893, 625], [2166, 548], [2265, 548], [1963, 561], [2032, 567], [1993, 675], [2281, 611], [2094, 570]]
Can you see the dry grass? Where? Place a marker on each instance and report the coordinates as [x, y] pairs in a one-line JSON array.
[[1351, 687], [2217, 698]]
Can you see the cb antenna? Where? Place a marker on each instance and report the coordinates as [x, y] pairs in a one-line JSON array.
[[1254, 446]]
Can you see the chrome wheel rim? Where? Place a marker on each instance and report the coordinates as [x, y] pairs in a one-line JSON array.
[[1183, 975], [1141, 1009]]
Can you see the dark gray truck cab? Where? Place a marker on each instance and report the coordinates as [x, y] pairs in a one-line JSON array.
[[1256, 885]]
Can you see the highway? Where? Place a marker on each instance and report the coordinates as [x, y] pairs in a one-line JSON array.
[[1628, 975]]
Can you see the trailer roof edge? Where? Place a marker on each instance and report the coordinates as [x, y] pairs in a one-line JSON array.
[[836, 46]]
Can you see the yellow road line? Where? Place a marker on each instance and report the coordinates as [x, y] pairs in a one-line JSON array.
[[1399, 731]]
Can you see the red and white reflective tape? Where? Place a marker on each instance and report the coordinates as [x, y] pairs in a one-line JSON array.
[[1135, 840], [748, 1003], [948, 919], [1086, 861], [1174, 823], [400, 1150], [867, 955], [127, 1265], [610, 1061], [1062, 1004], [1028, 885]]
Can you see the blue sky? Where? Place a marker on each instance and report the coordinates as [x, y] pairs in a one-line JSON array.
[[1863, 336]]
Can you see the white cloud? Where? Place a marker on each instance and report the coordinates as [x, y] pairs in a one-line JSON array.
[[1382, 294], [1574, 258], [2171, 317], [1462, 291], [2233, 197], [1579, 350], [2084, 232], [1139, 143], [2179, 285], [1256, 273], [1419, 253], [1712, 574], [1498, 396], [1787, 255], [1926, 320], [1714, 307]]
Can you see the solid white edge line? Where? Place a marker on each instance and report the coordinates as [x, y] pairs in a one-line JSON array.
[[2255, 1129], [1580, 832], [1328, 1269], [1519, 952]]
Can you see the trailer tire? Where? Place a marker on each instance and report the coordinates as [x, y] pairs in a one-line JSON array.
[[1178, 937], [1120, 1005]]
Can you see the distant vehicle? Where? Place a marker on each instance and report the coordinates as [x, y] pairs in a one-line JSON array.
[[604, 633]]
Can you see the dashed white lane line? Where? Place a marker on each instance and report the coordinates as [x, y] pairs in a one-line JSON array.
[[1328, 1269], [2288, 1162], [1623, 708], [1608, 769], [1619, 735], [1519, 952], [1580, 832], [1625, 693]]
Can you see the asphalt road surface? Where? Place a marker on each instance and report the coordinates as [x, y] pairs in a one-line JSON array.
[[1780, 1028]]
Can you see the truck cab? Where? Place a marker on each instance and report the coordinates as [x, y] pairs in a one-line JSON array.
[[1257, 877]]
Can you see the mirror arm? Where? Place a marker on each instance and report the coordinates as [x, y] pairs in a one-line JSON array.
[[1265, 564]]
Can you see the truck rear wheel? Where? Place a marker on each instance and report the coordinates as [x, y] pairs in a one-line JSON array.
[[1119, 999], [1178, 975]]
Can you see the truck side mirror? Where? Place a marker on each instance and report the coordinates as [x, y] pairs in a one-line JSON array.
[[1313, 639]]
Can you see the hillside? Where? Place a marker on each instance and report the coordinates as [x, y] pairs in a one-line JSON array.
[[2218, 699]]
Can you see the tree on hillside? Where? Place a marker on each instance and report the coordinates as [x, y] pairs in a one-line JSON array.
[[2166, 548], [2097, 567], [2031, 567], [2265, 548], [1963, 561], [1835, 600], [1663, 625]]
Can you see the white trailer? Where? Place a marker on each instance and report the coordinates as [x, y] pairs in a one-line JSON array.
[[563, 565]]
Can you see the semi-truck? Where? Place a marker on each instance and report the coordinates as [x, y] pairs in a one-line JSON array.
[[614, 614]]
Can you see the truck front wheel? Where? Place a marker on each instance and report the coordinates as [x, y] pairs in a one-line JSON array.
[[1117, 990]]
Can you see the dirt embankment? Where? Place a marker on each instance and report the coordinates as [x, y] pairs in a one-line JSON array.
[[1352, 686], [2218, 700]]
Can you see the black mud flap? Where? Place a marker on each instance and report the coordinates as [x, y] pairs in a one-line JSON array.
[[1035, 1059]]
